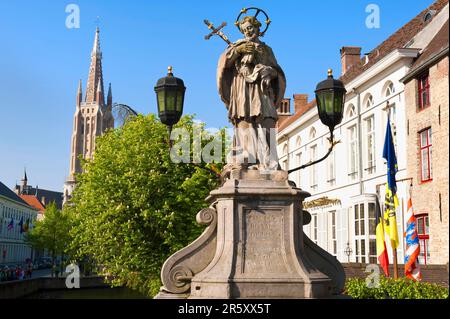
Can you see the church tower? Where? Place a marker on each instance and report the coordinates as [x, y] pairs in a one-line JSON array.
[[92, 117]]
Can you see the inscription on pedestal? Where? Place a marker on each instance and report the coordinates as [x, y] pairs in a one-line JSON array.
[[262, 242]]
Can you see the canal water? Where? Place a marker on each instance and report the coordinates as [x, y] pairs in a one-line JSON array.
[[88, 293]]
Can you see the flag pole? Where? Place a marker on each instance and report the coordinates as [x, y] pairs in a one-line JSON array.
[[394, 255]]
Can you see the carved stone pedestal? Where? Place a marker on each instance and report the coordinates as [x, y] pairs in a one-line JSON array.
[[254, 246]]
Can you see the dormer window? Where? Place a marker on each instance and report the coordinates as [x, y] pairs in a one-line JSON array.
[[428, 16]]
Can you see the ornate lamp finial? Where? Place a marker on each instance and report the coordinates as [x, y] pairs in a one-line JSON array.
[[169, 70], [330, 72]]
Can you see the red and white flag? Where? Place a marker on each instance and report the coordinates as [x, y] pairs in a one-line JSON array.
[[412, 269]]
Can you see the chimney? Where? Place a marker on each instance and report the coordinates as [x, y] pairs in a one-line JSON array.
[[300, 101], [284, 110], [285, 107], [349, 57]]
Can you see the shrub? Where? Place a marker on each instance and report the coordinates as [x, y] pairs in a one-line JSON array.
[[402, 288]]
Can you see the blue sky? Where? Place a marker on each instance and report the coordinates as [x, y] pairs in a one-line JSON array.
[[41, 61]]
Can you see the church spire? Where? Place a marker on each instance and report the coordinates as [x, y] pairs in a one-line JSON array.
[[96, 49], [95, 71], [25, 178]]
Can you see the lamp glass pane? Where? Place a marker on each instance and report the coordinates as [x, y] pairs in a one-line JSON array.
[[338, 103], [327, 101], [160, 97], [170, 100], [180, 101]]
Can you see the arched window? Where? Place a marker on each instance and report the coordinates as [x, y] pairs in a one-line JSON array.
[[389, 89], [350, 111], [368, 101], [285, 149], [312, 133]]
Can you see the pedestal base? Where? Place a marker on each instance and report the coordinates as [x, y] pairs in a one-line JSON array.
[[256, 246]]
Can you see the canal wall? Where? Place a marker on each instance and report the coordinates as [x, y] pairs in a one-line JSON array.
[[21, 288]]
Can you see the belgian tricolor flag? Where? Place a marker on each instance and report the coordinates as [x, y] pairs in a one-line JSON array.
[[381, 243]]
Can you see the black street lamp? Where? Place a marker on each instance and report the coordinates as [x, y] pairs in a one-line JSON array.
[[170, 98], [330, 98]]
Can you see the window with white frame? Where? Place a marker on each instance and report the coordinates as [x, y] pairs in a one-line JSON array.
[[370, 158], [312, 133], [360, 233], [313, 168], [390, 89], [285, 149], [365, 235], [285, 165], [332, 231], [353, 152], [368, 101], [298, 162], [393, 120], [331, 169], [426, 148], [350, 111], [314, 228], [424, 236], [372, 233]]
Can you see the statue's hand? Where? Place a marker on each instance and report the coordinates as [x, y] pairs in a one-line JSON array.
[[246, 48]]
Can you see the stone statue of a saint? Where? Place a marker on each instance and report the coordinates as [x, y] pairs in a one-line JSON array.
[[252, 85]]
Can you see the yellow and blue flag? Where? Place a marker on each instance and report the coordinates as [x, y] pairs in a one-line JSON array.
[[391, 200], [381, 243]]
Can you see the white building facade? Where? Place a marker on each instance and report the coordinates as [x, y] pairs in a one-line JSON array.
[[13, 248], [345, 187]]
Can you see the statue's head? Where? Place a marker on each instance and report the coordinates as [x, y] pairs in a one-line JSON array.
[[250, 27]]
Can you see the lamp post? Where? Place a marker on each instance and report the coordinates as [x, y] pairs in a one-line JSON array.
[[348, 251], [330, 98]]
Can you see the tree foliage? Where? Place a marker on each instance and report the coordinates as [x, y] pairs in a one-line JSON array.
[[133, 207], [51, 233]]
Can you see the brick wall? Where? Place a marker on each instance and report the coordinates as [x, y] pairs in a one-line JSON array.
[[431, 197]]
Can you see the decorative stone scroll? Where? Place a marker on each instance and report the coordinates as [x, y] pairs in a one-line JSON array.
[[178, 270]]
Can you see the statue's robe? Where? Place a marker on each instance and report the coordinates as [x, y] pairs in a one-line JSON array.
[[251, 109], [239, 83]]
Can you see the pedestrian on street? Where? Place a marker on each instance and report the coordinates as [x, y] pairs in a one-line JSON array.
[[30, 270]]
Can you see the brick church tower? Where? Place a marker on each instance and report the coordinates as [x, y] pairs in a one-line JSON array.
[[92, 117]]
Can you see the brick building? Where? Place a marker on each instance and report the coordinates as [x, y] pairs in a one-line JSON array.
[[427, 116]]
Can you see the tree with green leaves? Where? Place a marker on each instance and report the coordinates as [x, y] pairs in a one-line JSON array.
[[133, 206], [51, 233]]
